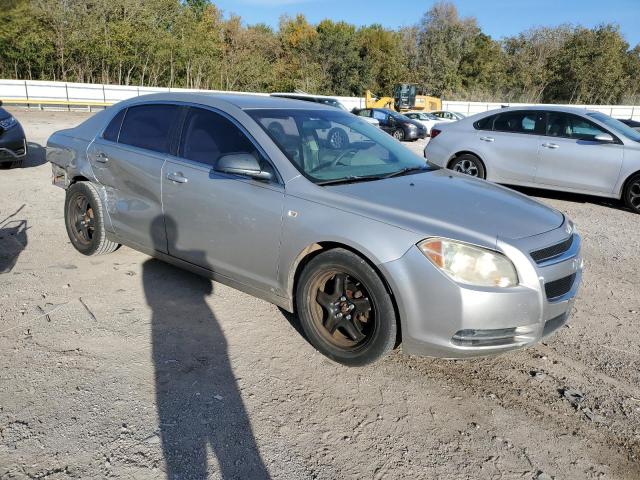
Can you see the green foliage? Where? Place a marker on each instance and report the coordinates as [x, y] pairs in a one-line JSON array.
[[192, 44]]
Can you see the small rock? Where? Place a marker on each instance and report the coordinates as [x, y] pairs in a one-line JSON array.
[[537, 375], [217, 397], [542, 476]]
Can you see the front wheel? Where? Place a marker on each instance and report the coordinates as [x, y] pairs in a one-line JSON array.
[[338, 138], [84, 219], [469, 165], [345, 309], [398, 134], [631, 194]]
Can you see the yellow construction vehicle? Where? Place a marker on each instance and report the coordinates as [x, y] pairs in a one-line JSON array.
[[404, 99]]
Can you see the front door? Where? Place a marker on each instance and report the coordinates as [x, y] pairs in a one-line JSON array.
[[225, 223], [570, 156], [129, 165]]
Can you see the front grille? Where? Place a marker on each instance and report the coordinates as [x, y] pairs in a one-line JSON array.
[[553, 251], [559, 287]]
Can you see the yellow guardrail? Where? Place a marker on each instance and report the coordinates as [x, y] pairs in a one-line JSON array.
[[48, 101]]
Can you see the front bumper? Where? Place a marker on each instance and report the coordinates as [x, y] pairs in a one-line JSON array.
[[13, 144], [442, 318], [415, 134]]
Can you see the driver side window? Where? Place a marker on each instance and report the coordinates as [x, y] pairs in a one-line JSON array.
[[207, 135], [572, 126]]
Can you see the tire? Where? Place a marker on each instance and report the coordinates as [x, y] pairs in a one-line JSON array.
[[17, 163], [84, 219], [338, 138], [468, 164], [344, 308], [398, 134], [631, 194]]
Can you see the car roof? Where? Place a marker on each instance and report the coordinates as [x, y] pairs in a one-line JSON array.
[[551, 108], [303, 96], [239, 100]]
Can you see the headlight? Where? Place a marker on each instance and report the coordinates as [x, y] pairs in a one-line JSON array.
[[469, 264], [7, 123]]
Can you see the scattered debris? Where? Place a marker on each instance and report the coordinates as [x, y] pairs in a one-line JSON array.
[[46, 315], [575, 397], [93, 317], [218, 397], [537, 375]]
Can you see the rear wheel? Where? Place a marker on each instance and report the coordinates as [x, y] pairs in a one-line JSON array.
[[398, 134], [84, 219], [17, 163], [345, 309], [469, 165], [631, 194]]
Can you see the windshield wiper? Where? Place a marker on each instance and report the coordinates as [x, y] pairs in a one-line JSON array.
[[406, 170], [351, 179]]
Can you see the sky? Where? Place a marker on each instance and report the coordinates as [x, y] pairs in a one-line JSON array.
[[497, 18]]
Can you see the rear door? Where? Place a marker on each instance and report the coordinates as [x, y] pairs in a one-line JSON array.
[[385, 120], [226, 223], [127, 159], [571, 157], [508, 143]]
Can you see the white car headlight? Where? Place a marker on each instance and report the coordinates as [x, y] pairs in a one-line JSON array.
[[470, 264]]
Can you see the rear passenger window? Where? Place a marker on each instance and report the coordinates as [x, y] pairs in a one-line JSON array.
[[485, 123], [207, 135], [113, 129], [149, 127], [520, 122]]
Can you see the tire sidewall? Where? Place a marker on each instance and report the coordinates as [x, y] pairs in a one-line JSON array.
[[81, 188], [627, 193], [341, 134], [384, 336]]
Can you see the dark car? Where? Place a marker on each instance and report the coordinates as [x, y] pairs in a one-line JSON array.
[[13, 144], [631, 123], [396, 124]]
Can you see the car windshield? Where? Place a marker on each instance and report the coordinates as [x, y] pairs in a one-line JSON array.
[[335, 147], [398, 116], [616, 125]]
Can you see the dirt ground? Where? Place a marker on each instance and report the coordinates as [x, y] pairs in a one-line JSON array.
[[124, 367]]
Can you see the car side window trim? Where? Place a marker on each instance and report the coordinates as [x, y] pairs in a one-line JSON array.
[[177, 156]]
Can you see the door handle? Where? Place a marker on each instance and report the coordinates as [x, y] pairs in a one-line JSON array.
[[177, 177], [551, 145], [487, 139], [102, 158]]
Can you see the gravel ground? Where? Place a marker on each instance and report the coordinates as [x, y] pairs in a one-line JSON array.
[[124, 367]]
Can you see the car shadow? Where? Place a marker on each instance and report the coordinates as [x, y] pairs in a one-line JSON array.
[[36, 155], [571, 197], [197, 396], [13, 240]]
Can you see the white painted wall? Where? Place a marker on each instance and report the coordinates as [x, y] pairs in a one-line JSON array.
[[87, 92]]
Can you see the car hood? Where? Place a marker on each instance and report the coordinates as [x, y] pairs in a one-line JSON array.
[[441, 202]]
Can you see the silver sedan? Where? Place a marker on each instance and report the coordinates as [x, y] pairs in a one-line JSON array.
[[557, 148], [367, 244]]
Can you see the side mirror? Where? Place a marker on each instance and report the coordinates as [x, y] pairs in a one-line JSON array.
[[391, 121], [243, 164], [604, 138]]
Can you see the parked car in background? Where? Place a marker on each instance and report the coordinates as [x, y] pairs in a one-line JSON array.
[[13, 143], [557, 148], [332, 102], [447, 115], [424, 118], [369, 244], [631, 123], [401, 127]]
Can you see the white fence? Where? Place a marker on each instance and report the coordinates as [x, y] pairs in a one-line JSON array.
[[41, 92], [470, 108], [96, 94]]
